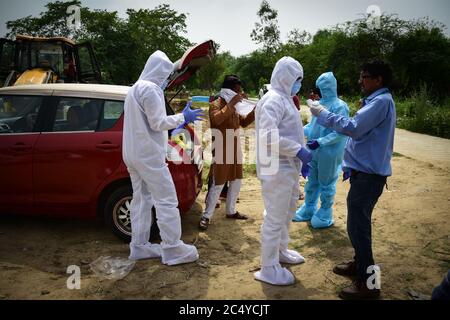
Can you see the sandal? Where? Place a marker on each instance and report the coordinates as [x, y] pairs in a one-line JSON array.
[[204, 223], [237, 215]]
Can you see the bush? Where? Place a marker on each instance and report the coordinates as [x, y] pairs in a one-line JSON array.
[[418, 113], [353, 104], [201, 92], [421, 113]]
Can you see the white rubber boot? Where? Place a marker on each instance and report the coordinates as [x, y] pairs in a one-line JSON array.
[[276, 275], [183, 253], [291, 257], [144, 251]]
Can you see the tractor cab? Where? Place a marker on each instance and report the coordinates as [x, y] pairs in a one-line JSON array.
[[36, 60]]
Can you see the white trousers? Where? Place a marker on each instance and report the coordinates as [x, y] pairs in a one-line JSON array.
[[280, 194], [154, 187], [234, 187]]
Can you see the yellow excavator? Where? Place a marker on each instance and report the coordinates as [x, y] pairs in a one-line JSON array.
[[37, 60]]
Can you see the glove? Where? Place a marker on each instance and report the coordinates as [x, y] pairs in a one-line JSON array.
[[346, 175], [304, 155], [314, 107], [178, 130], [313, 144], [191, 115], [305, 170]]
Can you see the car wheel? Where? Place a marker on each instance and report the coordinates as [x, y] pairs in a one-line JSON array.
[[118, 214]]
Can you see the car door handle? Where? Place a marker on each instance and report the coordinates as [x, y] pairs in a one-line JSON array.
[[21, 147], [107, 146]]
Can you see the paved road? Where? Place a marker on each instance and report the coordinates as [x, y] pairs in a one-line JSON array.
[[423, 147]]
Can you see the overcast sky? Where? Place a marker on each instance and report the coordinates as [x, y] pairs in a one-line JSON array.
[[230, 22]]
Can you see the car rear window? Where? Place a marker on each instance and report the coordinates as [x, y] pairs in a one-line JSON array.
[[84, 114], [112, 110]]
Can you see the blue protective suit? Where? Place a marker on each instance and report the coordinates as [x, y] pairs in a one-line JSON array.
[[327, 159]]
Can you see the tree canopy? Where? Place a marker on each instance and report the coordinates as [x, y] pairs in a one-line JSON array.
[[417, 50], [122, 46]]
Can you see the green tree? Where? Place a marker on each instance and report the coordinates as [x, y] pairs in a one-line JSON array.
[[415, 49], [254, 69], [208, 77], [299, 38], [110, 39], [122, 46], [266, 31], [229, 61], [160, 28], [51, 23], [420, 58]]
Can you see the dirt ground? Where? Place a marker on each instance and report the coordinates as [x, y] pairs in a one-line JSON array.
[[411, 240]]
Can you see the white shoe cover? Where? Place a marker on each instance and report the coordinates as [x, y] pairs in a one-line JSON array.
[[144, 251], [183, 253], [276, 275], [291, 257]]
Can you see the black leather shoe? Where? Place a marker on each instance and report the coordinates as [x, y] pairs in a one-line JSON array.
[[346, 269], [358, 291]]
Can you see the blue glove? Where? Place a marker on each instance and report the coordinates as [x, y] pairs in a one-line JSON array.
[[304, 155], [346, 175], [191, 115], [178, 130], [305, 170], [313, 144]]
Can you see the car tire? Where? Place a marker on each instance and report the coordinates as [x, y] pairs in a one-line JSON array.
[[119, 221]]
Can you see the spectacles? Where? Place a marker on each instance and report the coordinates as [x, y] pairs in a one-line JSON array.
[[365, 76]]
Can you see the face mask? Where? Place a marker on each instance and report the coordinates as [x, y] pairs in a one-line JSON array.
[[296, 87], [164, 84]]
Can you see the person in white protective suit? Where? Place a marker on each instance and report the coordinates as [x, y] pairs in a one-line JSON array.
[[145, 141], [279, 133]]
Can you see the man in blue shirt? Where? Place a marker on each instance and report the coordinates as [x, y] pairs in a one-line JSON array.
[[367, 163]]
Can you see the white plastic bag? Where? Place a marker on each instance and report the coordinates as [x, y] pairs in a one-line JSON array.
[[245, 107], [112, 267]]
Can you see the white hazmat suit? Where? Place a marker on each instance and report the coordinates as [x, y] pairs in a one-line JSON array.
[[144, 152], [280, 131]]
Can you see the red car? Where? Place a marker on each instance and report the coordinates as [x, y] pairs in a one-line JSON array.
[[61, 150]]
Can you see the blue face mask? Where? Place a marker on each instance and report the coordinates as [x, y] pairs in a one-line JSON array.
[[296, 87], [164, 84]]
